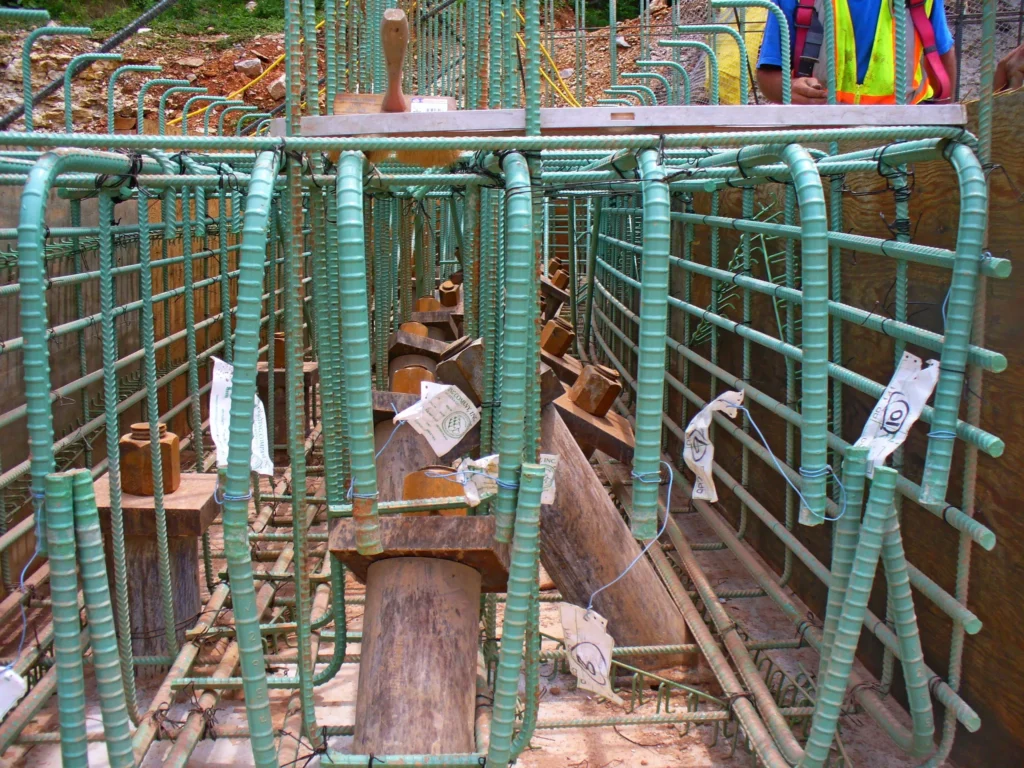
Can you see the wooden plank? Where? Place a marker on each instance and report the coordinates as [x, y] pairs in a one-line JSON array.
[[402, 343], [466, 540], [585, 544], [610, 434], [190, 509], [567, 367], [603, 120]]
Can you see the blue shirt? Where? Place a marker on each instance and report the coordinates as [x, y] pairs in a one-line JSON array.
[[864, 15]]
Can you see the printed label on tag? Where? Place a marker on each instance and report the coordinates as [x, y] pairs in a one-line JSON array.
[[443, 415], [421, 104], [590, 650], [550, 463], [897, 409], [12, 688], [220, 421], [478, 477], [698, 451]]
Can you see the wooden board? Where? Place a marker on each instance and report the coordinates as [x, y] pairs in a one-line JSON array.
[[610, 434], [567, 367], [466, 540], [585, 544], [402, 343], [658, 120], [189, 510]]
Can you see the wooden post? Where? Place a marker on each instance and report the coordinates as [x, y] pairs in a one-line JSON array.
[[417, 678], [189, 510], [585, 544]]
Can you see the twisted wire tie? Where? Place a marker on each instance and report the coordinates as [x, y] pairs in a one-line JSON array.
[[220, 496]]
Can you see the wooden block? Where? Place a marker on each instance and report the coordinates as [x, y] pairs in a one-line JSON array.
[[409, 379], [557, 337], [440, 319], [596, 389], [550, 387], [554, 297], [456, 277], [554, 265], [402, 343], [567, 367], [427, 304], [430, 483], [610, 434], [416, 329], [405, 450], [189, 510], [465, 369], [467, 540], [383, 401], [455, 347], [560, 279]]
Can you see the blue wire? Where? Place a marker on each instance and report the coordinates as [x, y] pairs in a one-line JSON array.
[[643, 478], [812, 473]]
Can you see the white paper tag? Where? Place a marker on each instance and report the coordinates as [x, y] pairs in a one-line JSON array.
[[12, 688], [698, 451], [897, 409], [478, 477], [550, 463], [220, 421], [422, 104], [443, 415], [590, 649]]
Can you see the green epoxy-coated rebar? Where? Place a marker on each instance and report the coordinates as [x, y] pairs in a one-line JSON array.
[[355, 344], [962, 291], [236, 492], [106, 664], [844, 547], [521, 581], [67, 644], [832, 689], [32, 277], [651, 355], [519, 258]]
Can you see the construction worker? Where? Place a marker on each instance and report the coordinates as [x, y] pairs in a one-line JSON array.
[[864, 52]]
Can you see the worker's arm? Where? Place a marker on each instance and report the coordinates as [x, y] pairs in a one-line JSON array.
[[805, 90], [949, 62]]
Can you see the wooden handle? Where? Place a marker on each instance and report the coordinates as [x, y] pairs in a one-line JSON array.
[[394, 39]]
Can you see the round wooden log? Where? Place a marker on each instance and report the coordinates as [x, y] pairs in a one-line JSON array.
[[417, 677]]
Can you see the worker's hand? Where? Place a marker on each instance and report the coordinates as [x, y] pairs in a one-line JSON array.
[[808, 90], [1010, 70]]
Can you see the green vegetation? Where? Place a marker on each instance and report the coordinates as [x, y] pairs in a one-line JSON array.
[[187, 17], [597, 11]]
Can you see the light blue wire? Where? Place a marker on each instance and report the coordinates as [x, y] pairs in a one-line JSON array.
[[812, 473], [945, 308], [24, 616], [643, 478], [351, 483]]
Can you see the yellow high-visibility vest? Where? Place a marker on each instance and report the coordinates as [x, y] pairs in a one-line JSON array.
[[879, 81]]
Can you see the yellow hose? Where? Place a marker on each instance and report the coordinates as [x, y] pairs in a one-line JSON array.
[[273, 65]]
